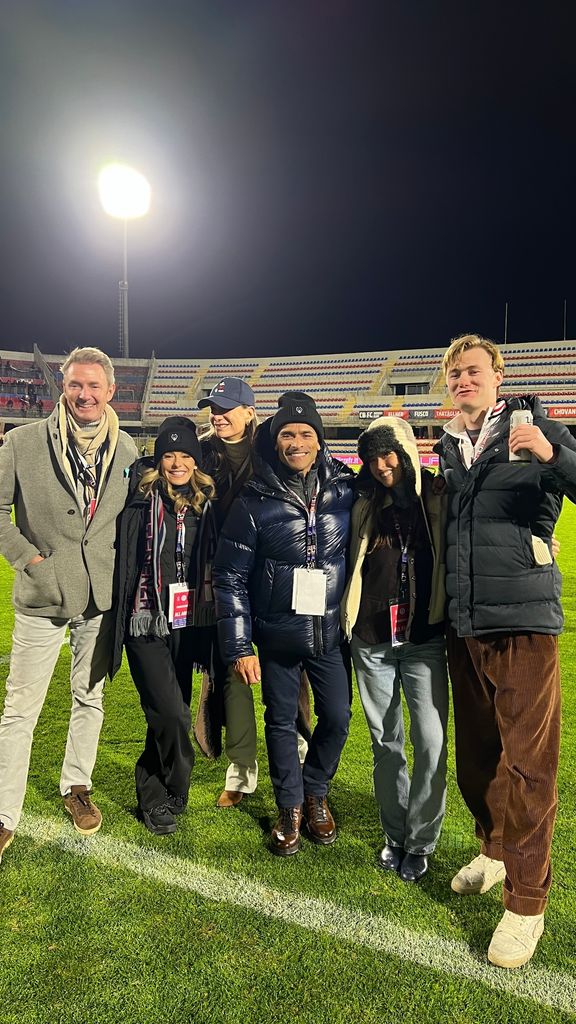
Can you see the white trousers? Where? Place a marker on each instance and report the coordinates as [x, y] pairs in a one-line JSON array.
[[36, 644]]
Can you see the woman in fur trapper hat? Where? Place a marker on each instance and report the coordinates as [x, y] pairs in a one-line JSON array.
[[393, 614], [165, 546]]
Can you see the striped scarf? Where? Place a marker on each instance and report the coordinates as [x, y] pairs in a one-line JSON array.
[[87, 453], [148, 617]]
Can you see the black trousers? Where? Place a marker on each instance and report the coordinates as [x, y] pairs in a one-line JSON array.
[[161, 668], [330, 683]]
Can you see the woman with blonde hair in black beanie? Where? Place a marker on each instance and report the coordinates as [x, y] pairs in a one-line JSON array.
[[165, 546]]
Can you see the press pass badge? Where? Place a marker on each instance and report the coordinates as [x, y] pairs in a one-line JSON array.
[[309, 592], [180, 605], [399, 612]]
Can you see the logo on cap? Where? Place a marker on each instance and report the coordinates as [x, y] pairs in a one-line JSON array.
[[174, 437], [299, 410]]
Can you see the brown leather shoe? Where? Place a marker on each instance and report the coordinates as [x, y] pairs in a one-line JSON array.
[[85, 815], [6, 837], [320, 824], [229, 798], [286, 832]]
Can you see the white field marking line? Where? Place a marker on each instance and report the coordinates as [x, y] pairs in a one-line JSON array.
[[548, 988]]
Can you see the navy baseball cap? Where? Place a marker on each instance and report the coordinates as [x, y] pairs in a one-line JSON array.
[[228, 393]]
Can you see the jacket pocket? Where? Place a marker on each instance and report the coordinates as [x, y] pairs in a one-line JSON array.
[[37, 586]]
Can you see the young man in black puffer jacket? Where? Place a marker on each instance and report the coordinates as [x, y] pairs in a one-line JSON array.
[[279, 575], [503, 589]]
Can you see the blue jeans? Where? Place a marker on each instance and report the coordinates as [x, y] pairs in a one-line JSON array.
[[411, 811]]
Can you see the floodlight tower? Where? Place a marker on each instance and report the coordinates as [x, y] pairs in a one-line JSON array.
[[125, 194]]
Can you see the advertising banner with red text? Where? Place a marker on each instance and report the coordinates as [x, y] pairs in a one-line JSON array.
[[559, 412]]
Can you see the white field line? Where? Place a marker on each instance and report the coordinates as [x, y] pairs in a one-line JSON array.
[[377, 932]]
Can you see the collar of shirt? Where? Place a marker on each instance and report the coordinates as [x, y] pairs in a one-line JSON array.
[[456, 428], [302, 486]]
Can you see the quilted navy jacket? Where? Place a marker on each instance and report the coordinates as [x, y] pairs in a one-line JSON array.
[[263, 540]]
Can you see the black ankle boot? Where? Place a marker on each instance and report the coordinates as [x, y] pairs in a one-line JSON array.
[[413, 867], [390, 858]]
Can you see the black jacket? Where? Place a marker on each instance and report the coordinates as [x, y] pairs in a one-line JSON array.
[[501, 577], [262, 541], [228, 484], [130, 554]]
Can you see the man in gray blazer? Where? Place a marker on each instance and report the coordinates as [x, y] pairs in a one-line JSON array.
[[67, 478]]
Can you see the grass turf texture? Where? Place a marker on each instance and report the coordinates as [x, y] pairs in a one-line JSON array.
[[127, 936]]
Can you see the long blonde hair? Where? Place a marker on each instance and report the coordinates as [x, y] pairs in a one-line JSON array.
[[200, 489], [218, 446], [207, 433]]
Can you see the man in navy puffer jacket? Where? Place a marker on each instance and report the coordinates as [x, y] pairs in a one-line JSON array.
[[279, 575]]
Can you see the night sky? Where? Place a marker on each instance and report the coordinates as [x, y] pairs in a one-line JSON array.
[[327, 176]]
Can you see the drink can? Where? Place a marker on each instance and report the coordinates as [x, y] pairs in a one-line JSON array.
[[517, 419]]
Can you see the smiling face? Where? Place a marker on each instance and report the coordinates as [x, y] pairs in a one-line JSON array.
[[177, 468], [473, 382], [86, 391], [386, 469], [230, 424], [297, 445]]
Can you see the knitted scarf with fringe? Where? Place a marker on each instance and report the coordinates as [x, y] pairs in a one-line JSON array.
[[148, 617]]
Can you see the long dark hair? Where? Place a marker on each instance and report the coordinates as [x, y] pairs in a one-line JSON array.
[[383, 529]]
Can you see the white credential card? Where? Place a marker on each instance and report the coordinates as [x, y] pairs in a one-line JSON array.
[[309, 592]]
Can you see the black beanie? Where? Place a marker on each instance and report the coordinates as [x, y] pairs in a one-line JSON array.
[[378, 441], [296, 412], [295, 396], [177, 434]]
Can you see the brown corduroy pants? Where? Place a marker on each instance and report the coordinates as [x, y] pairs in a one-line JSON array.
[[506, 692]]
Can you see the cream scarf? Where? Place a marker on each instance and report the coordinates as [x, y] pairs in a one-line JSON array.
[[87, 441]]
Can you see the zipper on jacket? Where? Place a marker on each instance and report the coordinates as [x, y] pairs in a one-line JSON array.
[[317, 628]]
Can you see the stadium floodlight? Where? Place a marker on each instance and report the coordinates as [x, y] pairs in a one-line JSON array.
[[125, 194]]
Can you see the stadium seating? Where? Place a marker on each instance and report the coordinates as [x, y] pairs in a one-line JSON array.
[[350, 389]]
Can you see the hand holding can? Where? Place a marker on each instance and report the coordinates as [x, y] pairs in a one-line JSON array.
[[520, 417]]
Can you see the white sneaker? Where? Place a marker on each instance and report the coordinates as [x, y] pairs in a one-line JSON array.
[[479, 875], [515, 939]]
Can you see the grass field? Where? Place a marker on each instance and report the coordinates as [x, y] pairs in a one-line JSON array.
[[207, 926]]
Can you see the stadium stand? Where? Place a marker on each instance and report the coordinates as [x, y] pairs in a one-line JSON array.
[[350, 389]]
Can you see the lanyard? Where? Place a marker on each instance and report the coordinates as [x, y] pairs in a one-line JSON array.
[[311, 530], [311, 525], [404, 545], [487, 428], [180, 539]]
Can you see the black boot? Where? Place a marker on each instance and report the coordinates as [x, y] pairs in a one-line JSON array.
[[414, 867]]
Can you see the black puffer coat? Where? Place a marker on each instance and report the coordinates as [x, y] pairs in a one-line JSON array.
[[263, 540], [500, 577]]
